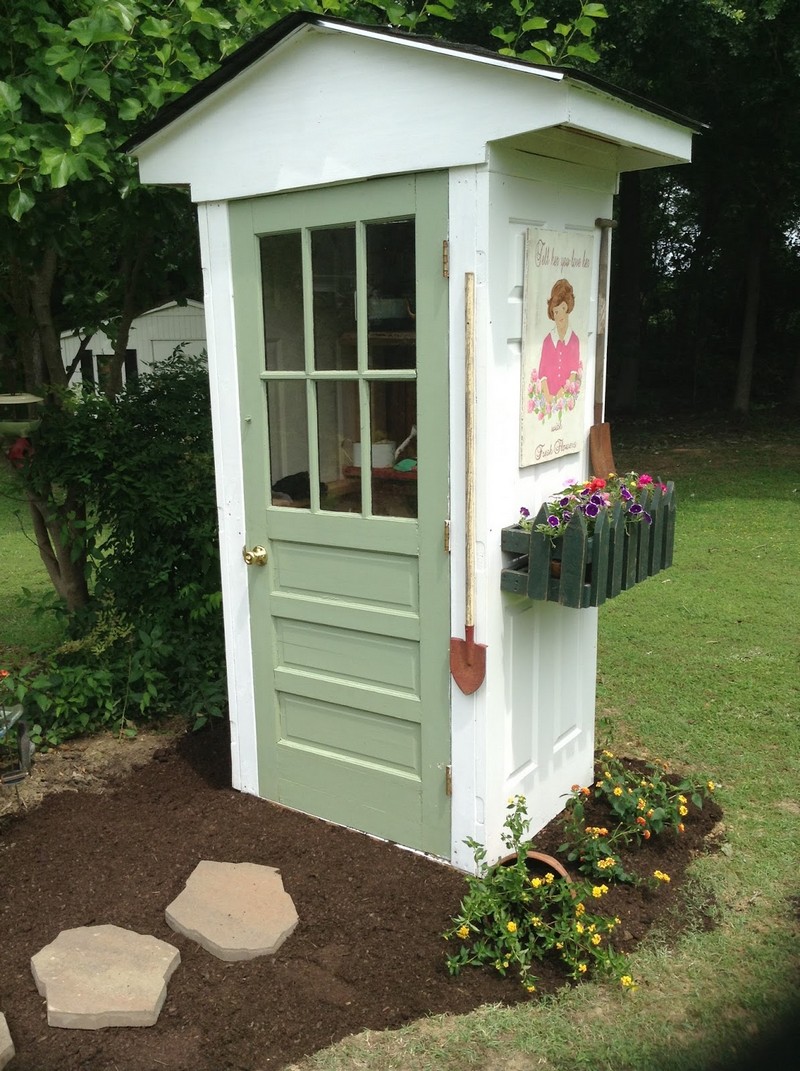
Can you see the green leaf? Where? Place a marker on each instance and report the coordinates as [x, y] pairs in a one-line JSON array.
[[82, 129], [562, 28], [584, 51], [94, 30], [59, 165], [152, 27], [57, 54], [546, 47], [19, 202], [209, 16], [99, 83], [596, 11], [537, 23], [9, 97], [503, 35], [439, 11], [69, 70], [130, 109], [52, 98], [585, 26]]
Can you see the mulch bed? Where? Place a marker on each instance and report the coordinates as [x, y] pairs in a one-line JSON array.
[[368, 951]]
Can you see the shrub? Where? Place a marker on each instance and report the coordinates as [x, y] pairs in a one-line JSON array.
[[150, 639]]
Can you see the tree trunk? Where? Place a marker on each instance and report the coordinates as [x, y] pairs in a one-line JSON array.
[[747, 347], [625, 327], [41, 295], [131, 273], [67, 571]]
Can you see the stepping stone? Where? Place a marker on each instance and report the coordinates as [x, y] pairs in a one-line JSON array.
[[97, 976], [234, 910], [6, 1044]]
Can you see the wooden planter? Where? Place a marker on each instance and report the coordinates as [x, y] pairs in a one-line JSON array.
[[580, 570]]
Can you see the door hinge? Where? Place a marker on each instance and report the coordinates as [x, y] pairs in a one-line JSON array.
[[448, 780], [447, 537], [445, 259]]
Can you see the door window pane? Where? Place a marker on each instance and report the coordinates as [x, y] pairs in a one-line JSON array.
[[339, 449], [391, 294], [282, 291], [393, 418], [333, 264], [288, 443]]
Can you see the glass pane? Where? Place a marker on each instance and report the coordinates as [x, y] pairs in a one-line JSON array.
[[393, 416], [288, 443], [391, 294], [282, 290], [333, 266], [339, 449]]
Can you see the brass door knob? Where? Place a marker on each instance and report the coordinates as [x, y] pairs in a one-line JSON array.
[[255, 556]]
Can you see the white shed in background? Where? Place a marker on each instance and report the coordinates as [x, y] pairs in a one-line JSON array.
[[154, 335], [352, 184]]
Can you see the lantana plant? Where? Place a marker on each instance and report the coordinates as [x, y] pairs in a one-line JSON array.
[[644, 805], [512, 918], [593, 497]]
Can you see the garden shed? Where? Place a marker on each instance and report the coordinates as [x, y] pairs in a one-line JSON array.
[[155, 334], [379, 212]]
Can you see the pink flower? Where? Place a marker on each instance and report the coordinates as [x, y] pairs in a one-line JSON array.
[[644, 480]]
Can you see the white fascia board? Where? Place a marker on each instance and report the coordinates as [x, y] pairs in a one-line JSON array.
[[622, 124], [453, 53]]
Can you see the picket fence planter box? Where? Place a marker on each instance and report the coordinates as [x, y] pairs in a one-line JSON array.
[[580, 570]]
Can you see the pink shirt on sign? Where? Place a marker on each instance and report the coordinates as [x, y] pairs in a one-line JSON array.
[[560, 358]]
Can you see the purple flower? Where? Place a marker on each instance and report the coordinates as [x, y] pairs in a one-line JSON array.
[[553, 521], [635, 510], [591, 509], [647, 518], [625, 494], [524, 512], [564, 501], [597, 500]]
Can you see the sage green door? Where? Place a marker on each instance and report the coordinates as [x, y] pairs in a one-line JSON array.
[[341, 328]]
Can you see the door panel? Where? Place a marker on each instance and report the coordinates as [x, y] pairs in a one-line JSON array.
[[336, 293]]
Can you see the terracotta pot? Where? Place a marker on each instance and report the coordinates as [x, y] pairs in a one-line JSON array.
[[538, 863]]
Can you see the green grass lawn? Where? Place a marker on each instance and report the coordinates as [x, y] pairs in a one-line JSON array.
[[21, 571], [699, 667]]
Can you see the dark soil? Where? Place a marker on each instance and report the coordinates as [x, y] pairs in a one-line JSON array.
[[368, 951]]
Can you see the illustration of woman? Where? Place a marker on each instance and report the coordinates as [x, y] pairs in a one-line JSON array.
[[556, 385], [561, 354]]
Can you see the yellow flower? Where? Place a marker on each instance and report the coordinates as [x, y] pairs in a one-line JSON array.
[[596, 938], [626, 981], [600, 784], [462, 932], [641, 804], [531, 988], [579, 910], [681, 799], [617, 791], [559, 944], [579, 927], [599, 890], [661, 875], [683, 811], [535, 920], [511, 927], [536, 882], [549, 878], [582, 968], [710, 785], [609, 754]]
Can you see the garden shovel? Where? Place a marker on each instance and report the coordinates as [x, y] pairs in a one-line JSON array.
[[601, 455], [468, 658]]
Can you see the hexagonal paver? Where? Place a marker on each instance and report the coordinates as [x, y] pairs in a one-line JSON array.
[[234, 910], [96, 976], [6, 1044]]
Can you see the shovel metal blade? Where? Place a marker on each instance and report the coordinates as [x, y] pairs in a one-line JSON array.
[[468, 661]]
